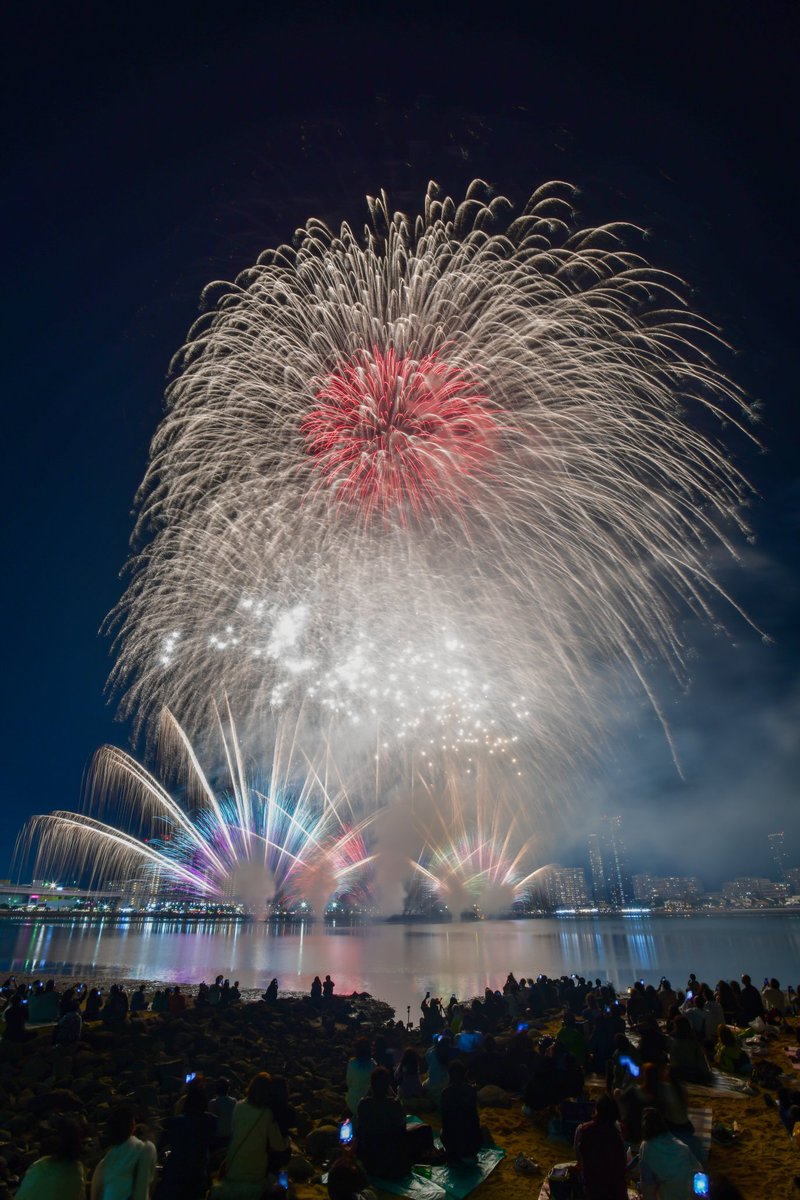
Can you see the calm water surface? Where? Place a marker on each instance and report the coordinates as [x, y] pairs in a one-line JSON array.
[[399, 963]]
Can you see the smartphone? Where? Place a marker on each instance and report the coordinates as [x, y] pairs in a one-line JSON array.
[[522, 1027], [690, 995], [188, 1078], [631, 1065], [700, 1184], [283, 1180], [346, 1132]]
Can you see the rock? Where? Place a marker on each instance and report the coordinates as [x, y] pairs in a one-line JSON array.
[[492, 1096], [322, 1140], [300, 1168], [59, 1100]]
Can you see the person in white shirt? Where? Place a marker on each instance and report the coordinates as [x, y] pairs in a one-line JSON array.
[[667, 1165], [129, 1168], [773, 997]]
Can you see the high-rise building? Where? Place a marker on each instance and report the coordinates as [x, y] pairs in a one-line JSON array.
[[596, 867], [610, 884], [778, 851], [793, 880], [613, 854], [565, 887]]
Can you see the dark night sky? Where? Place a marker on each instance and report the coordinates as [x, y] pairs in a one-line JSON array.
[[146, 155]]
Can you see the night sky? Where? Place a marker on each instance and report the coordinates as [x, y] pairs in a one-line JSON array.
[[148, 154]]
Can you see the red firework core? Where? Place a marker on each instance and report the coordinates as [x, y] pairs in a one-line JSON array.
[[391, 433]]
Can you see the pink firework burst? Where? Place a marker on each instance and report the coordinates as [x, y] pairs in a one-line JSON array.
[[391, 433]]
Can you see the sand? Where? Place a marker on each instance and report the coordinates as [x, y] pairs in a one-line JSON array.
[[763, 1162]]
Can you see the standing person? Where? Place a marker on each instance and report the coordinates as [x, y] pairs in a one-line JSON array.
[[667, 1165], [316, 989], [327, 988], [359, 1073], [601, 1155], [188, 1138], [59, 1175], [129, 1167]]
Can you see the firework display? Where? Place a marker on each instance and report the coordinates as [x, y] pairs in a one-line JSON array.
[[277, 841], [414, 490]]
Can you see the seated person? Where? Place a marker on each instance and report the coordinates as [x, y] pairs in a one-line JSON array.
[[666, 1164], [408, 1078], [346, 1181], [382, 1143], [686, 1054], [461, 1128], [728, 1053], [572, 1039], [600, 1152]]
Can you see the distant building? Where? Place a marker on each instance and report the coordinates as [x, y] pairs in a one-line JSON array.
[[645, 887], [793, 880], [565, 887], [778, 851], [596, 868], [607, 858], [751, 891], [654, 888]]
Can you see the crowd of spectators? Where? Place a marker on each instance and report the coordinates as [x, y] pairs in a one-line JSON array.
[[642, 1048]]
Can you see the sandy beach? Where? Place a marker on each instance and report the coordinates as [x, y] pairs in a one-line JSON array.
[[145, 1062]]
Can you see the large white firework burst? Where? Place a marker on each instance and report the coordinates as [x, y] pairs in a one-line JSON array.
[[429, 477]]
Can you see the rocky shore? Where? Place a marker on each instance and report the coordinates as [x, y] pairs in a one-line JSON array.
[[146, 1059]]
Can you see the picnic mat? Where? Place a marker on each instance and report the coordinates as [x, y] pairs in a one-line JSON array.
[[437, 1183], [701, 1119], [723, 1085]]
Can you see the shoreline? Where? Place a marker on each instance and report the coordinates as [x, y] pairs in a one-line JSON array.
[[63, 918]]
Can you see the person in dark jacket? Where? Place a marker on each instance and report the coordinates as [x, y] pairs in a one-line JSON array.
[[601, 1156], [382, 1144], [461, 1127], [750, 1003]]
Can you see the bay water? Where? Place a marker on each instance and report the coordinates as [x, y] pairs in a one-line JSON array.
[[399, 963]]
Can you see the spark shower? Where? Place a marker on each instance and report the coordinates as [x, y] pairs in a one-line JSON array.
[[414, 492]]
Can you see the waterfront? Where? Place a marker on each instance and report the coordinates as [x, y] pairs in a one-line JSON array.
[[399, 963]]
